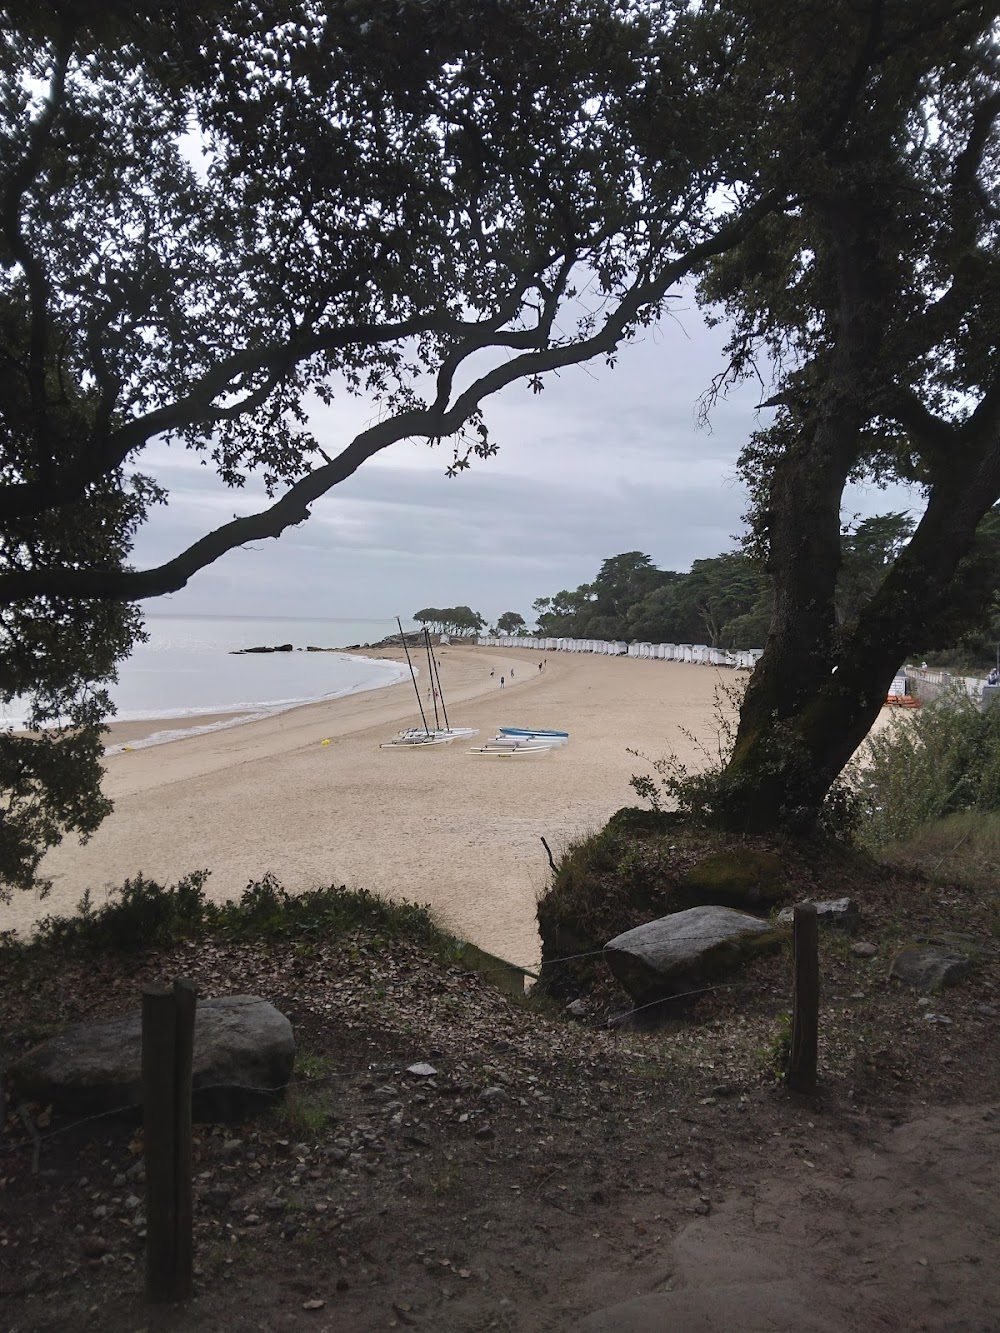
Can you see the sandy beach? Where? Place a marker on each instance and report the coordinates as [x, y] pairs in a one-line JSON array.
[[458, 831]]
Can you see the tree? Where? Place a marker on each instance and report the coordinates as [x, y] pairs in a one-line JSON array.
[[877, 295], [563, 614], [510, 623], [451, 619], [463, 620], [210, 213], [707, 605], [868, 550]]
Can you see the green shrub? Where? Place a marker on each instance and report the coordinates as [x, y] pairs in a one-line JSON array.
[[267, 909], [140, 914], [143, 914], [927, 765]]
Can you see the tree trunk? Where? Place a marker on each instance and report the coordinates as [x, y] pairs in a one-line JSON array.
[[802, 720]]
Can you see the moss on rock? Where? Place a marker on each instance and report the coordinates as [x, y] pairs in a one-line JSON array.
[[737, 877]]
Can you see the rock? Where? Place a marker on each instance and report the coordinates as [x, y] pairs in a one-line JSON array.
[[864, 950], [494, 1094], [930, 967], [421, 1070], [577, 1009], [988, 1010], [243, 1055], [840, 913], [738, 877], [674, 953]]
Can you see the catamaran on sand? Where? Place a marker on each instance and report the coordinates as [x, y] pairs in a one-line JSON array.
[[414, 737]]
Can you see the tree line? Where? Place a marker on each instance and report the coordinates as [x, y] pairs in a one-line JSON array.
[[727, 601], [462, 620]]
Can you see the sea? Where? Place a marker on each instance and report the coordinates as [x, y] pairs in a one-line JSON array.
[[190, 666]]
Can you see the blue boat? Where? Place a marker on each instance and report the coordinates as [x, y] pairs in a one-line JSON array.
[[530, 731]]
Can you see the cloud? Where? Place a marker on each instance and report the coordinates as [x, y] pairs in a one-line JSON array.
[[602, 461]]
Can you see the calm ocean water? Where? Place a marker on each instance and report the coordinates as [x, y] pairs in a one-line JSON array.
[[188, 667]]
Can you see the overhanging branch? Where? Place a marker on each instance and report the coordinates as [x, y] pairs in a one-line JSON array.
[[434, 422]]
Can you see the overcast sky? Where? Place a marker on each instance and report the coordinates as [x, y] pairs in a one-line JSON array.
[[603, 461]]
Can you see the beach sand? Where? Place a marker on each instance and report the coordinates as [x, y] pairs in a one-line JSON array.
[[438, 825]]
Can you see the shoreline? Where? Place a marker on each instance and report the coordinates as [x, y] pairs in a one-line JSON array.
[[459, 832], [309, 796], [146, 732]]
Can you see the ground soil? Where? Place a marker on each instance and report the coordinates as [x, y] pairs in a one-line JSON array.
[[550, 1167]]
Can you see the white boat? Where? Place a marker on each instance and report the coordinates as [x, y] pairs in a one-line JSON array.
[[510, 742], [502, 752], [528, 731], [415, 736]]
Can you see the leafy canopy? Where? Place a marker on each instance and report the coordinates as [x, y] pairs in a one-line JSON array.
[[212, 215]]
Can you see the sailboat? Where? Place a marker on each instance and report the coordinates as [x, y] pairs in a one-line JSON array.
[[413, 737]]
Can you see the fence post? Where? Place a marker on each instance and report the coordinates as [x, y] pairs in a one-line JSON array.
[[167, 1058], [185, 1000], [805, 999], [159, 1030]]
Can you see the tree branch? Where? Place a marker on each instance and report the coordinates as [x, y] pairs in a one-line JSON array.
[[434, 422], [18, 179]]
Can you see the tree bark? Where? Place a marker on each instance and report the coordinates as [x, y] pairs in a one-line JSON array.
[[802, 720]]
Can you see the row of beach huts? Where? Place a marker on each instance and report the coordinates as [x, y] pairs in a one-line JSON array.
[[698, 653]]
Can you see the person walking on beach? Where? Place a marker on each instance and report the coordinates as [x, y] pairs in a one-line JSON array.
[[501, 682], [493, 672], [540, 665], [512, 673]]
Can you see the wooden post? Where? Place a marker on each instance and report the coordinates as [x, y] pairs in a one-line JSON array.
[[159, 1028], [167, 1059], [185, 1001], [805, 1000]]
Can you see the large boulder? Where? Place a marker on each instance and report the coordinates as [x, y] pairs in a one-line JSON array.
[[243, 1055], [676, 953], [930, 967], [840, 913], [737, 877]]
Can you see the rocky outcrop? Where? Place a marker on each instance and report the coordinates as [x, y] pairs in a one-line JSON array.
[[840, 913], [243, 1055], [679, 952], [279, 648], [930, 967]]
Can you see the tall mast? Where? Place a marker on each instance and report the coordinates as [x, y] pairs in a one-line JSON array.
[[430, 672], [413, 675], [440, 691]]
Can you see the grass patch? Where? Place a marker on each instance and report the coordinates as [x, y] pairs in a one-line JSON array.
[[301, 1115], [312, 1066], [963, 848]]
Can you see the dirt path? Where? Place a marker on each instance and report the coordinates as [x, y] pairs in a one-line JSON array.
[[902, 1234]]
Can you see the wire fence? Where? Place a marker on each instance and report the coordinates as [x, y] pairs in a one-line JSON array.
[[37, 1139]]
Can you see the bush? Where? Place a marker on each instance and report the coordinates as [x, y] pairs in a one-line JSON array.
[[927, 765], [141, 914], [267, 909]]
